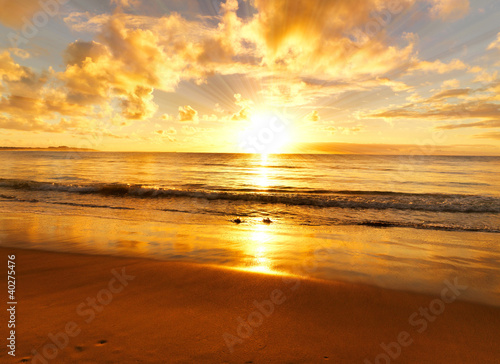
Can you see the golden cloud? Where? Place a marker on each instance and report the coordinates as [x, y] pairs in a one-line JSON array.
[[450, 9], [125, 3], [167, 134], [479, 104], [188, 114], [454, 83], [450, 94], [313, 116], [26, 92], [478, 124], [495, 44], [489, 135], [352, 52], [246, 108], [467, 110], [9, 70], [438, 66], [299, 37], [14, 13], [318, 49]]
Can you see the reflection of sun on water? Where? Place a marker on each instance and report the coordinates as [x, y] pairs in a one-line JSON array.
[[259, 242], [261, 178], [261, 172]]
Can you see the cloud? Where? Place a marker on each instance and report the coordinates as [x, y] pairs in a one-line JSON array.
[[28, 97], [479, 107], [139, 104], [318, 51], [467, 110], [449, 9], [37, 124], [292, 91], [246, 108], [451, 84], [480, 104], [450, 94], [86, 22], [342, 130], [495, 44], [313, 116], [25, 124], [77, 52], [486, 77], [126, 63], [126, 3], [438, 66], [325, 57], [15, 13], [296, 37], [490, 135], [189, 130], [18, 52], [478, 124], [168, 134], [394, 85], [243, 114], [211, 118], [10, 70], [188, 114]]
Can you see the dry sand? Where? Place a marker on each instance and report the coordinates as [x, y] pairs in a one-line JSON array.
[[182, 313]]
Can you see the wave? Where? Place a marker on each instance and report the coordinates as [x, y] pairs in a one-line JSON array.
[[15, 199], [377, 200], [239, 166], [424, 226]]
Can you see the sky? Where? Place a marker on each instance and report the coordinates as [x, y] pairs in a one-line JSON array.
[[301, 76]]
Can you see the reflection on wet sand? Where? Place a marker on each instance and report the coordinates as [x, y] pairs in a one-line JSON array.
[[258, 248], [391, 258]]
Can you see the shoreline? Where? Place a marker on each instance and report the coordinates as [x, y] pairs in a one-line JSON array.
[[395, 258], [182, 312]]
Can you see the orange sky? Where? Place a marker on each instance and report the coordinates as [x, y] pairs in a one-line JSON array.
[[193, 75]]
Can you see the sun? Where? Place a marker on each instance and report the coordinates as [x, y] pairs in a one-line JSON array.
[[268, 133]]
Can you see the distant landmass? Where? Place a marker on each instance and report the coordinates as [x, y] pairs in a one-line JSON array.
[[61, 148]]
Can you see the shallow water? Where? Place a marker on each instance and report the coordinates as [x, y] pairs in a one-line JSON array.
[[393, 221], [446, 193]]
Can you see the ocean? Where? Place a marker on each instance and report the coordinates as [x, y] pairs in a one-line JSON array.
[[403, 222]]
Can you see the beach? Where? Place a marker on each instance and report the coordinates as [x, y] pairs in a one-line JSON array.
[[175, 312], [137, 258], [233, 181]]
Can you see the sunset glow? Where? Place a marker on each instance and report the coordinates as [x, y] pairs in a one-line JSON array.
[[370, 76], [250, 181]]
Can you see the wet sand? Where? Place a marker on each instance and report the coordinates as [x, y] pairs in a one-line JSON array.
[[172, 312]]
